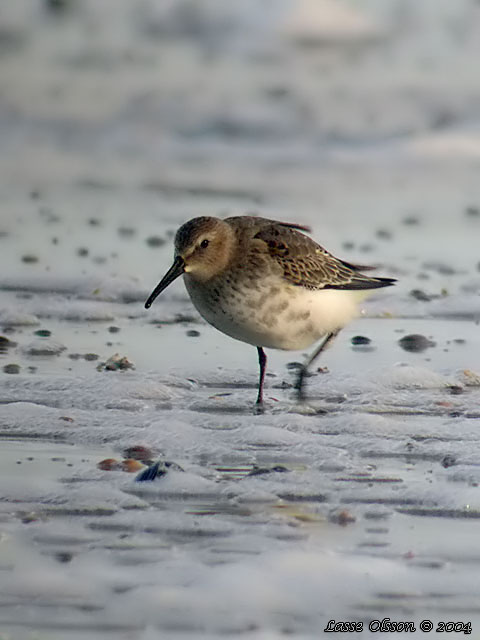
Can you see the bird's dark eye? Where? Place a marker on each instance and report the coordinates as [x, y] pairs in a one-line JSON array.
[[204, 243]]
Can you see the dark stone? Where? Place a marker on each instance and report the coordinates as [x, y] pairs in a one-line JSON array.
[[357, 340], [155, 241], [421, 295], [43, 333], [11, 368], [415, 343], [448, 461], [472, 211], [29, 258]]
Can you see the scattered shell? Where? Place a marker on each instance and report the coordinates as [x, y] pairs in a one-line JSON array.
[[341, 517], [109, 464], [139, 452], [131, 466], [157, 470], [116, 363], [470, 378]]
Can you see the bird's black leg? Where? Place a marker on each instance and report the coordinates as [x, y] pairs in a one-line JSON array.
[[262, 361], [303, 371]]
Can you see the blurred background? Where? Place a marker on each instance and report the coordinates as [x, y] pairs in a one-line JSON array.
[[328, 111], [120, 120]]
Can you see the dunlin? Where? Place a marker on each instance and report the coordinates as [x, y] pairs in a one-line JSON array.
[[266, 283]]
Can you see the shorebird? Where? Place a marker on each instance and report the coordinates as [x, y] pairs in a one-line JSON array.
[[268, 284]]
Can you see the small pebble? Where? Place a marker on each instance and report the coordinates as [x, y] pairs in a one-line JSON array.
[[415, 343], [43, 333], [448, 461], [411, 221], [94, 222], [294, 366], [139, 452], [126, 232], [63, 556], [89, 357], [11, 368], [421, 295], [192, 333], [29, 258], [113, 329], [341, 517], [366, 248], [384, 234], [155, 241], [472, 211], [74, 356], [82, 252], [455, 389], [357, 340]]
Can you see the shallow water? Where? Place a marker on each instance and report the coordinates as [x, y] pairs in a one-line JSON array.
[[359, 505]]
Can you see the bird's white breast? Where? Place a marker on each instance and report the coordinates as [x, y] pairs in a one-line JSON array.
[[277, 315]]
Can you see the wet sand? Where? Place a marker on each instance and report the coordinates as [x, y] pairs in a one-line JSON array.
[[359, 505]]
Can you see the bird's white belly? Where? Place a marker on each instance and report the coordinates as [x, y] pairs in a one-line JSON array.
[[286, 317]]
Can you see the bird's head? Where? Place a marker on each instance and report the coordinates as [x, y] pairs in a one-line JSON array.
[[203, 248]]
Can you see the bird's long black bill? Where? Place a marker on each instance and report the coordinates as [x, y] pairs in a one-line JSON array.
[[176, 270]]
